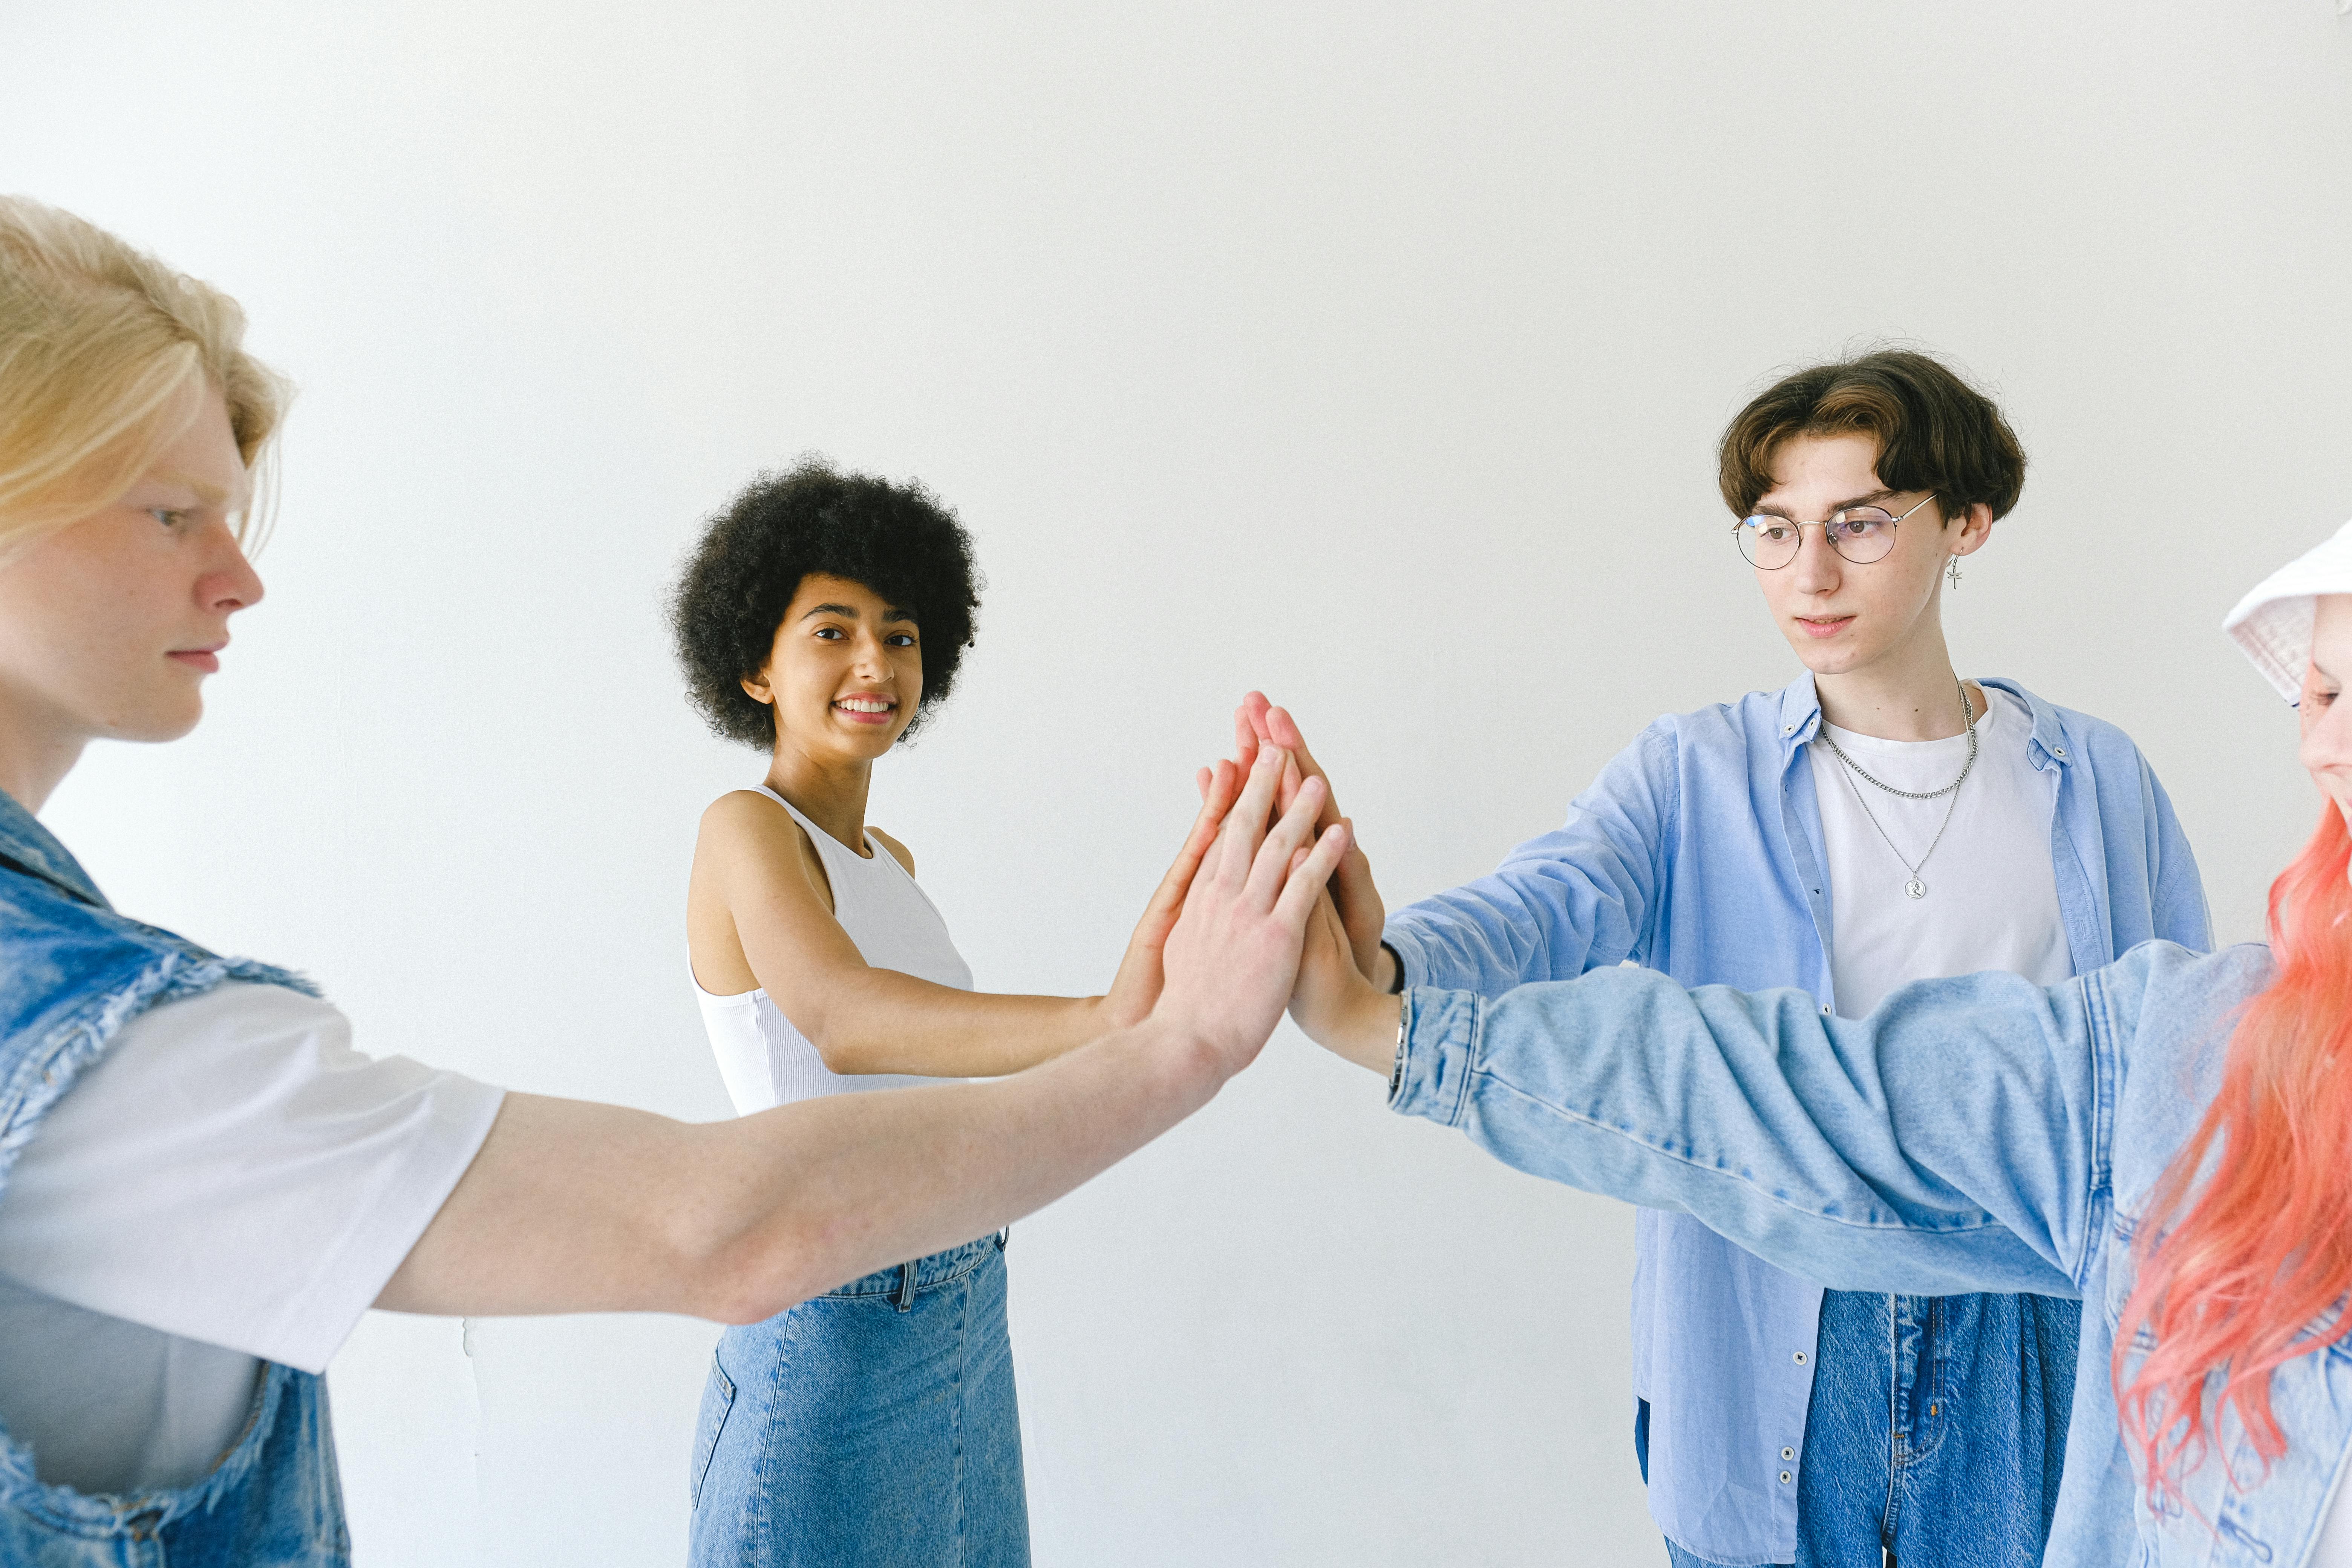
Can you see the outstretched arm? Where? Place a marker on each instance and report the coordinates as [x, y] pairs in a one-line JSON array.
[[1946, 1144], [578, 1207], [759, 880]]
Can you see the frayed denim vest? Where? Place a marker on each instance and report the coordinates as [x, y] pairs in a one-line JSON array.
[[72, 973]]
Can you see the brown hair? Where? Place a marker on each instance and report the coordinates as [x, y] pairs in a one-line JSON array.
[[104, 353], [1935, 432]]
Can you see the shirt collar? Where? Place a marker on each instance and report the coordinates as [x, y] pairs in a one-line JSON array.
[[1800, 720], [34, 849], [1800, 716]]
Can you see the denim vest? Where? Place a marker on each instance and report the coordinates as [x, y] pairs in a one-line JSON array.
[[72, 973]]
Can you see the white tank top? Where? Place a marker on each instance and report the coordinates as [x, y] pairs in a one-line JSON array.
[[767, 1062]]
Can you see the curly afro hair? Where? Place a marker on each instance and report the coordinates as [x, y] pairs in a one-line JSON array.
[[730, 596]]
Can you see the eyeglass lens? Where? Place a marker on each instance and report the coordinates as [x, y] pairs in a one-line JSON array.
[[1859, 534]]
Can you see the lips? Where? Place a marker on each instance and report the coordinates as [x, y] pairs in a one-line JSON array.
[[1824, 627], [865, 708], [207, 659]]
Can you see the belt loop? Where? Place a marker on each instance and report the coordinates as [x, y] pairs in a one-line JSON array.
[[1001, 1237], [905, 1298]]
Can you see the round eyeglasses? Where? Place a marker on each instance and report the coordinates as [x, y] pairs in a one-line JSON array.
[[1861, 534]]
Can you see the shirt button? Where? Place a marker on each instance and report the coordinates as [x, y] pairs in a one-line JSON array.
[[1784, 1477], [1825, 1012], [1788, 1453], [2061, 753], [1800, 1358]]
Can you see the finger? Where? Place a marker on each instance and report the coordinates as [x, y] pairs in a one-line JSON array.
[[1245, 825], [1301, 892], [1291, 779], [1217, 797], [1201, 782], [1219, 782], [1282, 730], [1254, 707], [1245, 738], [1297, 828]]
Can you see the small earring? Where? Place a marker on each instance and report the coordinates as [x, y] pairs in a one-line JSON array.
[[1952, 569]]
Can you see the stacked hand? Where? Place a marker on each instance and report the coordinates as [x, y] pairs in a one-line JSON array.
[[1250, 883], [1257, 724], [1341, 993]]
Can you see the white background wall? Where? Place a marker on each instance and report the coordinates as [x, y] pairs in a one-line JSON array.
[[1373, 355]]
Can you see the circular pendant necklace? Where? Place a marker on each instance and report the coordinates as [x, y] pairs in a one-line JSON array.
[[1917, 886]]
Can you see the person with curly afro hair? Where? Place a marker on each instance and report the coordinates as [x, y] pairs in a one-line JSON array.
[[820, 618]]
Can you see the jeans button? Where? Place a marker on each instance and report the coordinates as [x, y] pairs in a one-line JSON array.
[[1788, 1453], [1784, 1477]]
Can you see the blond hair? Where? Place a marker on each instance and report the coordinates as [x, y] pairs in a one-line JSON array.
[[104, 354]]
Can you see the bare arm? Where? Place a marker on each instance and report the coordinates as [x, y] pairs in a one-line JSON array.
[[578, 1207], [760, 884]]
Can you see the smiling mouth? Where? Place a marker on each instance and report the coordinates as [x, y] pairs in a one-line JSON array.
[[866, 709]]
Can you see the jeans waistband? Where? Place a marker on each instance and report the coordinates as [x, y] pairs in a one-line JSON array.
[[907, 1280]]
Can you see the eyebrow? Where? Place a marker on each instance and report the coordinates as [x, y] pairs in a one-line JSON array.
[[1872, 498], [850, 611], [206, 494]]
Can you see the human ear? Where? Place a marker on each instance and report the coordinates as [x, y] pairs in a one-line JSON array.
[[1974, 526], [757, 690]]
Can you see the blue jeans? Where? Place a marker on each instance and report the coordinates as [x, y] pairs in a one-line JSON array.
[[1937, 1430], [874, 1426]]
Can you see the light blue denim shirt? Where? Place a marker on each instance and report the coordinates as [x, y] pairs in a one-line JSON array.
[[1973, 1135], [1699, 853]]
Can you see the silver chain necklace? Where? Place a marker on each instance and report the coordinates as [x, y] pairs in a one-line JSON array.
[[1915, 887]]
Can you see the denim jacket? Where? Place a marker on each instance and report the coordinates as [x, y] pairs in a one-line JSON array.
[[1973, 1134], [72, 973], [1699, 853]]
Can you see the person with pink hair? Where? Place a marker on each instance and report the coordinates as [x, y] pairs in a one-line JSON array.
[[2168, 1138]]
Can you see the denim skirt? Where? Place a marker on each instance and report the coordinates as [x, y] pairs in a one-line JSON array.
[[875, 1425]]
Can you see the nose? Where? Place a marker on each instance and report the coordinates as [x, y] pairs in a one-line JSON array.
[[231, 583], [1818, 564], [2326, 746]]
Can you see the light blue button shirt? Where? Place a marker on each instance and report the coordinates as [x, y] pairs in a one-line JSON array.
[[1699, 853], [1973, 1135]]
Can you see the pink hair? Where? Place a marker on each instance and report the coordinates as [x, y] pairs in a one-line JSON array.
[[2247, 1241]]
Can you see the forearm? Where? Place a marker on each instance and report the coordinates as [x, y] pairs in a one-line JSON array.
[[577, 1207], [1560, 905], [824, 1191], [1942, 1151], [882, 1021]]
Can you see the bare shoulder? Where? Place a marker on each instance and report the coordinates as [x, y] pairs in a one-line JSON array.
[[744, 828], [899, 852], [742, 814]]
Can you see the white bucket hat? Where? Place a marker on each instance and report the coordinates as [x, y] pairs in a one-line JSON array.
[[2272, 623]]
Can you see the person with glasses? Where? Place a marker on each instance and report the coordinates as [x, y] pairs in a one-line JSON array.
[[1876, 821]]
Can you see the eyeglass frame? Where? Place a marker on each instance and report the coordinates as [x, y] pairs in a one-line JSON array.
[[1823, 524]]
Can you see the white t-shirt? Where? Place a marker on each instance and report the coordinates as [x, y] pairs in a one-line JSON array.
[[232, 1183], [1991, 899]]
